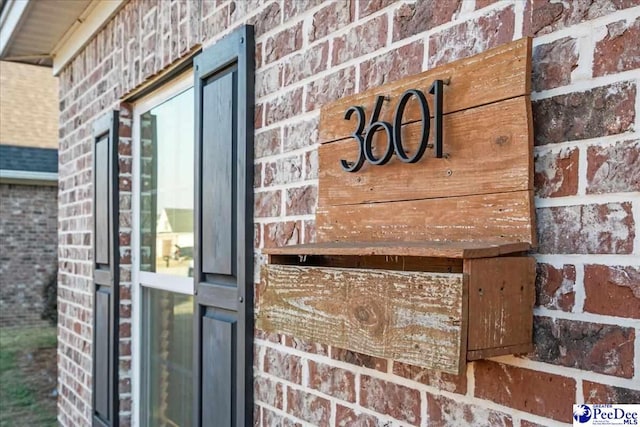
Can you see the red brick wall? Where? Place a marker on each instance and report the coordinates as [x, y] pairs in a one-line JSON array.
[[28, 258], [311, 52]]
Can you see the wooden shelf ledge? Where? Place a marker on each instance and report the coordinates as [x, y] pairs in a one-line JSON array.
[[438, 249]]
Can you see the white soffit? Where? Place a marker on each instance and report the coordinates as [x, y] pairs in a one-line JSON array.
[[51, 32], [31, 28], [94, 18], [13, 12]]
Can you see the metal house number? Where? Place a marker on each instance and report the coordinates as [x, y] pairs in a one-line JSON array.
[[364, 136]]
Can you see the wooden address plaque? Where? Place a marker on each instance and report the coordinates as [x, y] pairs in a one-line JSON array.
[[425, 216]]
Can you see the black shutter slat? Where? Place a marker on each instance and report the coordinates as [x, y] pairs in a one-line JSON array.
[[218, 175], [106, 264], [223, 250], [218, 351], [102, 352], [102, 201]]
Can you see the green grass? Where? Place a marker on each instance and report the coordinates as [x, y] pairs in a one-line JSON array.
[[24, 399], [12, 339]]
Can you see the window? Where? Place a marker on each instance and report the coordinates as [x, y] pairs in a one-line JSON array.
[[166, 186], [163, 262], [167, 379]]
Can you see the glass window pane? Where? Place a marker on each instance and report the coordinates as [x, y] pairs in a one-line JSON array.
[[166, 186], [167, 358]]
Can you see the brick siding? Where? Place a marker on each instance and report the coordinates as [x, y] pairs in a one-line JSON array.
[[28, 105], [28, 245], [310, 52]]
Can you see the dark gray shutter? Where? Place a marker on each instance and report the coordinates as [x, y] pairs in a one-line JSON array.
[[223, 270], [105, 278]]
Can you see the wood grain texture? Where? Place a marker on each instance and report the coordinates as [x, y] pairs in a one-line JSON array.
[[422, 248], [218, 176], [102, 363], [489, 150], [412, 317], [497, 74], [501, 299], [499, 351], [218, 351], [382, 262], [101, 198], [501, 217]]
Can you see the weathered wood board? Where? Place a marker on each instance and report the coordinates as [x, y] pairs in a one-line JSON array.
[[504, 217], [413, 317], [495, 75], [501, 299], [379, 262], [481, 190], [488, 150], [420, 248]]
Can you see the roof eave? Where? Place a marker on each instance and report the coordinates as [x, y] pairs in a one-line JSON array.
[[13, 14], [93, 20], [66, 45], [28, 177]]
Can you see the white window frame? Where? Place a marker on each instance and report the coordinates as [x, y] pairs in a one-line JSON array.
[[140, 279]]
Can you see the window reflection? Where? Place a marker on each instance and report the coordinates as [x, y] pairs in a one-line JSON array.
[[168, 358], [166, 187]]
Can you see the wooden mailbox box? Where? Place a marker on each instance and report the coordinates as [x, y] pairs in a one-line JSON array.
[[424, 263]]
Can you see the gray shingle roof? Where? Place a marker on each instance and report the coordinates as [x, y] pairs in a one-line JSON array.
[[29, 159]]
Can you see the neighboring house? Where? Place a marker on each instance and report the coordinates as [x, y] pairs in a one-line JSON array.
[[175, 230], [28, 193], [140, 78], [29, 100]]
